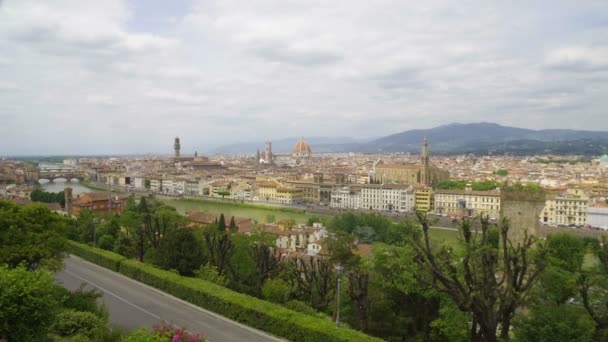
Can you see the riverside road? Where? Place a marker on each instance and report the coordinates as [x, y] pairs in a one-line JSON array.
[[132, 304]]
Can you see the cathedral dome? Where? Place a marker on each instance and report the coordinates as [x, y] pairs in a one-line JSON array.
[[302, 147]]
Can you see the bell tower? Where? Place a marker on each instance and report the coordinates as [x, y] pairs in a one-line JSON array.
[[176, 147], [424, 160]]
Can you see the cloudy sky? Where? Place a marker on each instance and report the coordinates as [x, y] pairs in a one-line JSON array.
[[119, 76]]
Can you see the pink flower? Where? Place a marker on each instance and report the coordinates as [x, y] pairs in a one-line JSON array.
[[175, 338]]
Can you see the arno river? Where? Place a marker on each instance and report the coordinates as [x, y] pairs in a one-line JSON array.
[[59, 185]]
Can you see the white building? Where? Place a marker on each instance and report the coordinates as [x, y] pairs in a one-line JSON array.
[[345, 198], [192, 187], [388, 197], [139, 182], [569, 208], [156, 184], [598, 217]]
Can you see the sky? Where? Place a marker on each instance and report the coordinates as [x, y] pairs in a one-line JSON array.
[[119, 76]]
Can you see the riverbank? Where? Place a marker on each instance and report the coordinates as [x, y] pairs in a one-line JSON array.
[[260, 213]]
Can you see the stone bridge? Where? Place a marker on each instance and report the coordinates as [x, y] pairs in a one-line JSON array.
[[52, 174]]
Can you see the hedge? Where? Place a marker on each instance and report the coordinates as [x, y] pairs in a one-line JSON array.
[[242, 308], [97, 256]]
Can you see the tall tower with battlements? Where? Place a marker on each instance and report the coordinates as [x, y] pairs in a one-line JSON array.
[[425, 176], [268, 152], [176, 147]]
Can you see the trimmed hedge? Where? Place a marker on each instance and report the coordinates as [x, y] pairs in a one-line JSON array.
[[97, 256], [242, 308]]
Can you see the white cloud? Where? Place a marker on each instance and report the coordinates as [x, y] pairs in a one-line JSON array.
[[268, 69]]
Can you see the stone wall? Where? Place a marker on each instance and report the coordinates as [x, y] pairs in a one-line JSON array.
[[522, 208]]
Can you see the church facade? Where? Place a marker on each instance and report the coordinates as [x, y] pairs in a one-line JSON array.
[[424, 173]]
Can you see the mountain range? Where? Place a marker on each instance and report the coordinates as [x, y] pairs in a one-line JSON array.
[[477, 138]]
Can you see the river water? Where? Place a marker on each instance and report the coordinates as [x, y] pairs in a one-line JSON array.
[[59, 185]]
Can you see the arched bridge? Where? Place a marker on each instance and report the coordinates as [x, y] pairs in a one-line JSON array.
[[52, 174]]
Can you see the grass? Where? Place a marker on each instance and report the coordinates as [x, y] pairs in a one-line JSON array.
[[94, 187], [244, 205], [451, 237]]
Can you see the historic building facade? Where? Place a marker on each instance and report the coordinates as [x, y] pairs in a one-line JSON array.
[[423, 173]]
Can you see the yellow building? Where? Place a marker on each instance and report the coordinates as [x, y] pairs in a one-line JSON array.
[[270, 191], [423, 199], [468, 202], [288, 195]]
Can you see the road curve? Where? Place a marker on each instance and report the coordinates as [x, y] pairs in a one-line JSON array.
[[132, 304]]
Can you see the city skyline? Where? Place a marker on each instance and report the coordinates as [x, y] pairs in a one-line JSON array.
[[124, 77]]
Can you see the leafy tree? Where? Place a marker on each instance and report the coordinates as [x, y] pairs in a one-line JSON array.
[[224, 193], [364, 234], [312, 220], [31, 235], [491, 280], [106, 242], [559, 280], [125, 246], [27, 304], [400, 308], [593, 288], [209, 273], [501, 172], [221, 224], [241, 268], [157, 224], [555, 323], [276, 290], [349, 222], [341, 246], [233, 227], [180, 250]]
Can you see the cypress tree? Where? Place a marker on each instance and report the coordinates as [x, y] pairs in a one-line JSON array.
[[233, 227], [222, 223]]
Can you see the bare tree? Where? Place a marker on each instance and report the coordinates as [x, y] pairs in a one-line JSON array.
[[220, 248], [267, 261], [358, 282], [492, 278]]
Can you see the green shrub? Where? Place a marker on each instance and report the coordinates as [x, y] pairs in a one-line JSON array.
[[276, 290], [299, 306], [251, 311], [242, 308], [78, 323], [97, 256]]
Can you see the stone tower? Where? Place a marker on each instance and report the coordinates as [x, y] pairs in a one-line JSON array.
[[424, 161], [257, 156], [176, 147], [522, 208], [269, 152], [67, 192]]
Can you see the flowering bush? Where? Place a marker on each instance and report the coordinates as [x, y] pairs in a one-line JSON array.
[[175, 334], [162, 333]]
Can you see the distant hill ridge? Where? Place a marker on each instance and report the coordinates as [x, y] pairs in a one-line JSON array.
[[479, 138]]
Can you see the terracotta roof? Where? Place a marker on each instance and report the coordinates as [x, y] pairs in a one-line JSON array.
[[95, 196], [398, 166]]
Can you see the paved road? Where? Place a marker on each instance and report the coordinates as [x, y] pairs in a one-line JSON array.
[[132, 304]]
